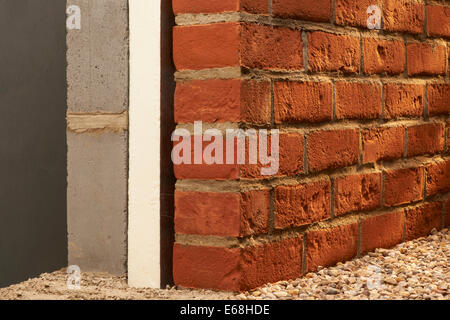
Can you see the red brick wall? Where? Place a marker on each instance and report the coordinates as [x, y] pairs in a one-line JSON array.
[[364, 122]]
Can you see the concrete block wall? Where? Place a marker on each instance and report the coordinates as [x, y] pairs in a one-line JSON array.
[[97, 137], [364, 133]]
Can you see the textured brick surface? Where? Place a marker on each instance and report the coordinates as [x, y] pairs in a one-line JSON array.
[[382, 231], [202, 170], [364, 133], [272, 262], [357, 193], [425, 139], [223, 100], [404, 16], [204, 6], [331, 52], [302, 101], [422, 219], [383, 56], [404, 100], [439, 99], [438, 23], [207, 267], [403, 186], [426, 59], [237, 269], [275, 48], [206, 46], [327, 247], [438, 177], [219, 6], [358, 100], [302, 204], [222, 214], [383, 143], [447, 212], [332, 149], [291, 157], [312, 10], [353, 12]]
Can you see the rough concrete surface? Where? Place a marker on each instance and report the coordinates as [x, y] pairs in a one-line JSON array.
[[97, 201], [97, 57], [97, 98]]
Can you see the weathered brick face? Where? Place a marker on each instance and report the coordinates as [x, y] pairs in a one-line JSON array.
[[364, 144]]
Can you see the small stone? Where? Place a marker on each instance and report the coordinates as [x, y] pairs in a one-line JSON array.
[[280, 294], [271, 296], [256, 293], [332, 291], [333, 272], [293, 292], [390, 280]]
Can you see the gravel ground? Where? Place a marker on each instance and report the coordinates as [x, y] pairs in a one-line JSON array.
[[412, 270]]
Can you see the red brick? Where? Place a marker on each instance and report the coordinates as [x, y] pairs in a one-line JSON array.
[[439, 99], [218, 6], [383, 56], [426, 59], [448, 136], [448, 59], [333, 149], [438, 177], [404, 16], [291, 156], [312, 10], [206, 46], [223, 100], [272, 262], [383, 143], [356, 193], [274, 48], [234, 44], [302, 101], [237, 269], [425, 139], [327, 247], [203, 170], [447, 213], [382, 231], [354, 12], [331, 52], [403, 186], [204, 6], [222, 214], [207, 267], [404, 100], [438, 21], [358, 100], [303, 204], [422, 219], [291, 153]]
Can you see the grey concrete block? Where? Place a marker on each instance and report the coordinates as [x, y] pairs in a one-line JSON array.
[[97, 57], [97, 201]]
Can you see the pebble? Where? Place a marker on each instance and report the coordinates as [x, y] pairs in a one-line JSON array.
[[418, 270]]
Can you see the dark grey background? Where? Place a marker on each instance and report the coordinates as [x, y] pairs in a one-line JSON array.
[[33, 227]]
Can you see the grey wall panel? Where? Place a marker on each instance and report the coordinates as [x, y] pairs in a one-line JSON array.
[[33, 228], [97, 76]]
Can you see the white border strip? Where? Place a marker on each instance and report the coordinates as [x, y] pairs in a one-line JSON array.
[[144, 158]]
